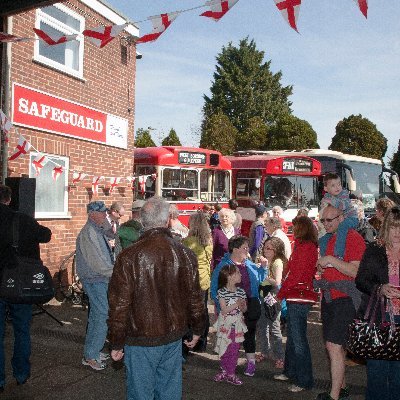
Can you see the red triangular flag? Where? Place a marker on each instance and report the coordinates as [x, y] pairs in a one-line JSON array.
[[289, 10], [218, 8], [95, 183], [23, 147], [57, 171], [39, 162], [54, 39], [113, 183], [160, 24], [363, 6], [103, 35]]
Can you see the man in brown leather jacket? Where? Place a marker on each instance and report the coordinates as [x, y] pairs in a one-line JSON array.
[[154, 295]]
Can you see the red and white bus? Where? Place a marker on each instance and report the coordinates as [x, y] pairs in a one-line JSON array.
[[186, 176], [291, 182]]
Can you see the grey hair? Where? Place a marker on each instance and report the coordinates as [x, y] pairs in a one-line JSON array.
[[274, 222], [155, 213], [277, 208], [229, 212], [173, 211]]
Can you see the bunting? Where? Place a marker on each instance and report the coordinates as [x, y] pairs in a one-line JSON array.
[[95, 183], [218, 8], [114, 182], [363, 6], [103, 35], [78, 177], [289, 10], [160, 24], [8, 38], [23, 147], [5, 125], [39, 162], [57, 171], [54, 38]]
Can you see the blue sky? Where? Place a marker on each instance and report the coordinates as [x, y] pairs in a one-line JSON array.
[[340, 63]]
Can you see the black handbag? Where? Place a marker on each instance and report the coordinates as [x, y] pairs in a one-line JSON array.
[[253, 309], [25, 280], [371, 340]]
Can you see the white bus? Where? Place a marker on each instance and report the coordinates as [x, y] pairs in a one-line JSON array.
[[363, 176]]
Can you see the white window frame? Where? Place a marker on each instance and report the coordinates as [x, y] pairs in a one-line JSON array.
[[64, 176], [63, 28]]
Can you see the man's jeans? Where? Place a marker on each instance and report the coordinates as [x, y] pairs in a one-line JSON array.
[[298, 366], [21, 315], [383, 380], [154, 373], [97, 322]]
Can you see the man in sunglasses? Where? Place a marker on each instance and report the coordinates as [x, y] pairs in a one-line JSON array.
[[339, 292]]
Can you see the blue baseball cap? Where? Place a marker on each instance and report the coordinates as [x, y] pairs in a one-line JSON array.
[[96, 206]]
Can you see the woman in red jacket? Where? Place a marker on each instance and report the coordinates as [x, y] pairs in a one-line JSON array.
[[301, 268]]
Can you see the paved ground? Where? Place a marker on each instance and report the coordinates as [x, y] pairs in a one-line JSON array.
[[57, 372]]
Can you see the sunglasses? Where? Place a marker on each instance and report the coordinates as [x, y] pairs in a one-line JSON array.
[[329, 220]]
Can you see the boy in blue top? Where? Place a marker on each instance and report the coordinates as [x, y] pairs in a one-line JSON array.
[[339, 198]]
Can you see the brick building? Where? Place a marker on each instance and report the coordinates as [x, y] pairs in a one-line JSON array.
[[74, 103]]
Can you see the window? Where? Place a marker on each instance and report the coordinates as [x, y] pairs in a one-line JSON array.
[[146, 189], [66, 57], [51, 197], [180, 184], [247, 185], [214, 185]]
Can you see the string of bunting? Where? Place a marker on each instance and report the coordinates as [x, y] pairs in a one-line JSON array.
[[102, 35], [24, 147]]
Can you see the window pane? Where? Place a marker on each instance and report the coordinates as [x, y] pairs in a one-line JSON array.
[[180, 184], [55, 53], [62, 17], [50, 194]]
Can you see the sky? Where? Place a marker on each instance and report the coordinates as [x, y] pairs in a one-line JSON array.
[[339, 63]]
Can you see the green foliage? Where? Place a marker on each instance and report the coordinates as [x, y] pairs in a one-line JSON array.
[[218, 133], [359, 136], [172, 139], [292, 133], [143, 138], [244, 88], [395, 161], [255, 135]]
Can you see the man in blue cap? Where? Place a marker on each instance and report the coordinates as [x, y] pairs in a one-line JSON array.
[[94, 266]]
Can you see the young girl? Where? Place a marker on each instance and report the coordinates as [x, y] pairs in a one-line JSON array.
[[230, 324], [269, 329]]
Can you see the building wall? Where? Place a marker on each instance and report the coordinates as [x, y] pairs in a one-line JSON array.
[[108, 86]]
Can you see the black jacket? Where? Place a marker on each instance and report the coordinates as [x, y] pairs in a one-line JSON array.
[[31, 233], [373, 271]]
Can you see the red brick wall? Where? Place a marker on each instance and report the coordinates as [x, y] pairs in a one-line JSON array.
[[105, 87]]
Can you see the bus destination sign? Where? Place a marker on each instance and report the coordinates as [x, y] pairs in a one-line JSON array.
[[296, 165], [186, 157]]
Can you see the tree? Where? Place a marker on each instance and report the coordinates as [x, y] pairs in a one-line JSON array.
[[292, 133], [255, 135], [172, 139], [218, 133], [143, 138], [359, 136], [244, 87], [395, 161]]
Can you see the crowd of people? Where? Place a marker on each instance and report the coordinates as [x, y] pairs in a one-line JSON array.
[[151, 279]]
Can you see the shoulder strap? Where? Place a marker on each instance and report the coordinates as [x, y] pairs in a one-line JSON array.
[[15, 231]]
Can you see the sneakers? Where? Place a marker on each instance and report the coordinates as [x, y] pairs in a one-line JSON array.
[[94, 364], [295, 389], [234, 380], [250, 369], [104, 356], [281, 377], [220, 377], [279, 364]]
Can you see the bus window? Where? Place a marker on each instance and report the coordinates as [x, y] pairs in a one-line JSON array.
[[214, 185], [179, 184], [247, 185], [149, 188]]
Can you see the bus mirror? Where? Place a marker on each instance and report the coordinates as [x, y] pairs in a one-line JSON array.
[[351, 183]]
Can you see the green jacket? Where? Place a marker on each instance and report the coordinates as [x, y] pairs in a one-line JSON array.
[[129, 232]]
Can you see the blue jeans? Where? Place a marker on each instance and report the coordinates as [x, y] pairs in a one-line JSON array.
[[96, 332], [383, 380], [298, 366], [341, 236], [154, 373], [21, 315]]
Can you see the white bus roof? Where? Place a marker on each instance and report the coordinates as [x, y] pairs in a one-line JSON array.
[[311, 153]]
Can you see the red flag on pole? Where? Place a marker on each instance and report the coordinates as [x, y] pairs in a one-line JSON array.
[[289, 10], [54, 39], [23, 147], [218, 8], [103, 35], [160, 24]]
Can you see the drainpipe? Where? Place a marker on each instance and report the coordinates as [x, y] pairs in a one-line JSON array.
[[5, 92]]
